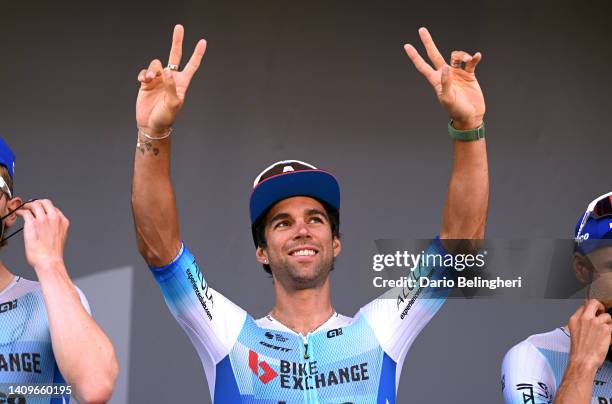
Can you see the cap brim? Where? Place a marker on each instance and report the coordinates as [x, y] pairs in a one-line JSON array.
[[317, 184]]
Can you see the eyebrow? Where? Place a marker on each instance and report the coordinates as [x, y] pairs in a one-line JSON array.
[[307, 212], [313, 212]]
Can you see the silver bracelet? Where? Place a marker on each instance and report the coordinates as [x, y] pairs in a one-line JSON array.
[[145, 134]]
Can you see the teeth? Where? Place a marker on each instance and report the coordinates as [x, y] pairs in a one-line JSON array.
[[304, 252]]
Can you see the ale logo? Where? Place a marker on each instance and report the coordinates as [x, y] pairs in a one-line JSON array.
[[254, 364]]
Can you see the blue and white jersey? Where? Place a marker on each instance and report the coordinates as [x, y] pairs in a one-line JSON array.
[[26, 354], [533, 370], [345, 361]]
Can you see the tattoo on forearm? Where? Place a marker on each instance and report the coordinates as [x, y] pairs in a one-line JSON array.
[[145, 145]]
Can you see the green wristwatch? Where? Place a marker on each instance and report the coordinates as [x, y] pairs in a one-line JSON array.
[[466, 135]]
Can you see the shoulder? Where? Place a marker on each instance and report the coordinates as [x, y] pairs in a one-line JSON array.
[[20, 287], [529, 350]]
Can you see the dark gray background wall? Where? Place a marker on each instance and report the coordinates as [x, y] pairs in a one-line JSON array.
[[327, 82]]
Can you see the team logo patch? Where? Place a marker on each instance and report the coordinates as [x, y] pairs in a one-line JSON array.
[[254, 364]]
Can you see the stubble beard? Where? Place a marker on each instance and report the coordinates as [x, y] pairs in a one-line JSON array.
[[295, 278]]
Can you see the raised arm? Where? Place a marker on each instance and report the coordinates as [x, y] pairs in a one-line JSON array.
[[465, 210], [84, 354], [161, 96]]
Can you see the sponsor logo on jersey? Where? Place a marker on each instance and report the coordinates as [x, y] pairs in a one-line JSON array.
[[599, 382], [276, 348], [28, 362], [7, 306], [528, 393], [334, 333], [201, 289], [402, 297], [277, 337], [255, 365], [307, 376], [603, 400]]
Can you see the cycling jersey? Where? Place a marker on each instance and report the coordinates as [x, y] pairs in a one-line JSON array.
[[532, 371], [26, 354], [346, 360]]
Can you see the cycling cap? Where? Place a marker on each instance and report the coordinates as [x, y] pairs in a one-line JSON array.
[[594, 229], [288, 178]]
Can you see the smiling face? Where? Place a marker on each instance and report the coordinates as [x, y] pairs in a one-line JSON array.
[[300, 247]]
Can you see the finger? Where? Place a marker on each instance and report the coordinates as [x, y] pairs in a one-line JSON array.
[[196, 58], [604, 318], [155, 69], [593, 307], [171, 99], [50, 210], [62, 217], [459, 57], [421, 65], [470, 66], [141, 75], [25, 214], [177, 45], [433, 53], [445, 80], [37, 209]]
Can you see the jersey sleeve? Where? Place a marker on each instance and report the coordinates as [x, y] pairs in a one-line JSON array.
[[211, 321], [84, 300], [399, 315], [527, 377]]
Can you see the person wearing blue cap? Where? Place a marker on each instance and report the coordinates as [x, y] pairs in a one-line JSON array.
[[573, 364], [50, 347], [303, 351]]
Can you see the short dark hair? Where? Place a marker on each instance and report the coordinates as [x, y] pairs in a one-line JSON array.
[[258, 229]]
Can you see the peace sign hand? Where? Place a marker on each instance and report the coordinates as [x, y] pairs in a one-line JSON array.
[[162, 91], [457, 88]]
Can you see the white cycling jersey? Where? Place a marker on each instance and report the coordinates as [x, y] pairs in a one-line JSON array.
[[345, 361], [26, 353], [532, 370]]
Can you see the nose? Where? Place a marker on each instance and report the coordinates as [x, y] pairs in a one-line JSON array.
[[302, 230]]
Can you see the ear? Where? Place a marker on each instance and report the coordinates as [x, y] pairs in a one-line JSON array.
[[582, 268], [262, 256], [337, 246], [11, 205]]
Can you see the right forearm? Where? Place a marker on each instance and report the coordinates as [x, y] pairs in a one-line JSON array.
[[577, 385], [153, 202]]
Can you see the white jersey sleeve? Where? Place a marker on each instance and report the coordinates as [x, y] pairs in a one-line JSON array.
[[84, 300], [527, 377], [399, 315], [211, 321]]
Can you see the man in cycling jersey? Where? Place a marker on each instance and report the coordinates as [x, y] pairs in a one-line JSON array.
[[302, 351], [572, 364], [48, 339]]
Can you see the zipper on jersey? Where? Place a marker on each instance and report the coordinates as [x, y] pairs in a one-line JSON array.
[[305, 339]]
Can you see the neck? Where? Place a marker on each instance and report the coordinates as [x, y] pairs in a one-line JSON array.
[[303, 310], [5, 277]]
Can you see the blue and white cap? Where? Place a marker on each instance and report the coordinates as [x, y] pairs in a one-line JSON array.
[[594, 229], [288, 178], [7, 159]]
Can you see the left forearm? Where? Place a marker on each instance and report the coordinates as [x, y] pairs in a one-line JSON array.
[[84, 354], [465, 209]]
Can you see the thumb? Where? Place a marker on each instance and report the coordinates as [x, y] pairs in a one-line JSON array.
[[171, 98]]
